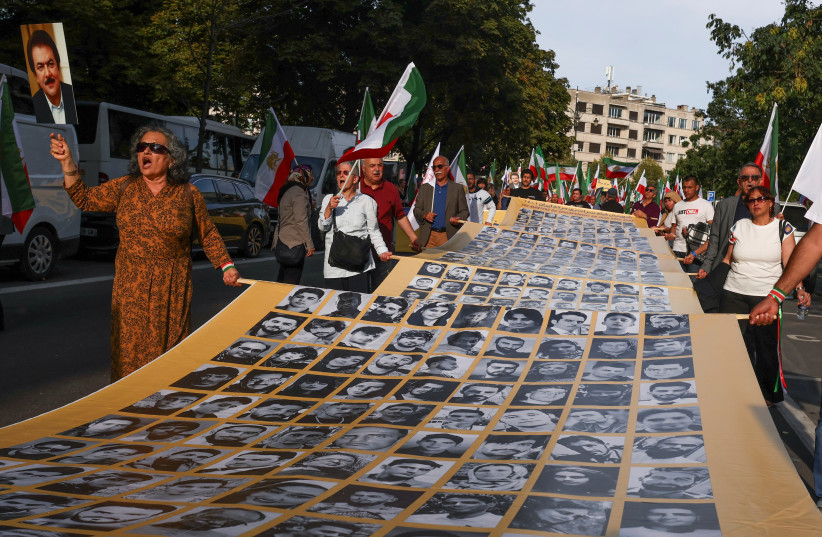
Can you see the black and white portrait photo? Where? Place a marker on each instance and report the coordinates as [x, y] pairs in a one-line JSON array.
[[672, 369], [302, 300], [281, 493], [164, 402], [608, 371], [276, 410], [294, 356], [444, 366], [674, 392], [168, 431], [232, 435], [526, 420], [188, 489], [34, 474], [583, 448], [366, 388], [568, 323], [603, 394], [681, 449], [403, 414], [328, 464], [276, 325], [300, 526], [298, 438], [503, 346], [542, 394], [367, 502], [386, 309], [645, 519], [498, 369], [321, 331], [369, 438], [250, 462], [312, 386], [672, 346], [616, 323], [475, 393], [597, 420], [407, 472], [671, 482], [260, 381], [366, 336], [614, 349], [490, 476], [23, 504], [43, 448], [391, 364], [106, 516], [210, 522], [434, 270], [669, 420], [219, 406], [178, 459], [463, 509], [467, 342], [565, 516], [108, 427], [552, 371], [345, 361], [413, 340], [436, 444], [426, 390], [335, 413], [661, 324], [577, 480], [458, 272], [345, 304], [499, 447], [244, 352], [105, 454]]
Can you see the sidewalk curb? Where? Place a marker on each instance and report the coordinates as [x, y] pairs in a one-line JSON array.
[[799, 422]]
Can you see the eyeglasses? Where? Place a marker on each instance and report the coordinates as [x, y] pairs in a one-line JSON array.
[[157, 149], [750, 177], [438, 166], [760, 199], [650, 190]]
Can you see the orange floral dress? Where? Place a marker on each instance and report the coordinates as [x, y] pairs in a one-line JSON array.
[[151, 298]]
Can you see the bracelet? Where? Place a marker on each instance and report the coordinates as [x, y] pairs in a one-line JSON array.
[[227, 267], [693, 253], [778, 295], [73, 172]]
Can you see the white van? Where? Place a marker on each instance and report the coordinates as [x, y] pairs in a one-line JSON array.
[[54, 227], [315, 147]]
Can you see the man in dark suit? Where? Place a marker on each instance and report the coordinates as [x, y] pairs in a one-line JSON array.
[[54, 101], [440, 208]]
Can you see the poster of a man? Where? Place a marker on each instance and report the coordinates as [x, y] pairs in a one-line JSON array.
[[47, 62]]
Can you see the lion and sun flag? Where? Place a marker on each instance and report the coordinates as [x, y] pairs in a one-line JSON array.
[[549, 374]]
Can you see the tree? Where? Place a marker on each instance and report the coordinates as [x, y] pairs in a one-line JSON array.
[[778, 63], [653, 172]]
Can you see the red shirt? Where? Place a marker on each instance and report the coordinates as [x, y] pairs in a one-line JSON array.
[[389, 207]]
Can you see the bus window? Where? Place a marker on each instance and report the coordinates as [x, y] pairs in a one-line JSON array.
[[87, 114], [121, 127], [330, 179], [249, 172], [217, 158]]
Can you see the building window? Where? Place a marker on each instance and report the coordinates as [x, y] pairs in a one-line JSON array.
[[695, 125], [652, 118], [682, 140], [582, 106], [671, 121], [671, 139], [651, 135], [580, 146], [613, 149], [680, 157], [596, 129], [614, 131], [581, 126], [614, 111], [632, 134], [593, 148], [683, 123], [633, 116], [669, 157], [631, 153], [647, 153], [596, 109]]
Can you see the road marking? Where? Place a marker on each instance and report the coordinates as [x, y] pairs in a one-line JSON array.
[[82, 281], [801, 337]]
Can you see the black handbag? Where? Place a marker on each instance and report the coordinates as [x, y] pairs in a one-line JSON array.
[[347, 251], [289, 257]]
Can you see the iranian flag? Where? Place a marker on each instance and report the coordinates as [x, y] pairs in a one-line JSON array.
[[768, 156], [618, 170], [398, 116], [594, 184], [15, 190], [427, 179], [458, 170], [563, 193], [276, 159], [641, 184], [368, 119], [565, 173], [537, 166]]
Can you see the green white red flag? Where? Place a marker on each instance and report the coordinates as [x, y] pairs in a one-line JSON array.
[[768, 156], [15, 190], [368, 118], [641, 184], [565, 173], [618, 170], [398, 116], [458, 170], [276, 159]]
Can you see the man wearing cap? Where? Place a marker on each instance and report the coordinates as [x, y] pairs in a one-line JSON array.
[[611, 204]]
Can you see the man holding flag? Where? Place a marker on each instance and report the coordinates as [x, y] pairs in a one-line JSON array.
[[440, 207]]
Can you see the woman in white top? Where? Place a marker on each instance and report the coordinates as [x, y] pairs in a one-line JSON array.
[[355, 214], [756, 257]]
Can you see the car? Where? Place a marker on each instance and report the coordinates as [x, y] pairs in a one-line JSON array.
[[241, 219], [795, 214]]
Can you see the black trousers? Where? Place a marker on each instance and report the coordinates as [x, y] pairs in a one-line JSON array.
[[762, 343], [357, 283], [291, 273]]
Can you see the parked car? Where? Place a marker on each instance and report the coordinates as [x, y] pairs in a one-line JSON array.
[[795, 214], [241, 219]]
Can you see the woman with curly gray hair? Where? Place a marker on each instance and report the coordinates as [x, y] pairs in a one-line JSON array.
[[157, 210]]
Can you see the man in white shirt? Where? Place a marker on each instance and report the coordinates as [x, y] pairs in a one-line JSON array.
[[478, 202], [691, 210]]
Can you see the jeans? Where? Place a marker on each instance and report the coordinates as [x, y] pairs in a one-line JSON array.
[[693, 268]]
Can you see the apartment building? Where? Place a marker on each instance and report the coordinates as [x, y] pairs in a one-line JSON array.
[[629, 125]]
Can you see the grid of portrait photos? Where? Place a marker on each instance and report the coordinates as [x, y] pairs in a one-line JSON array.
[[353, 415]]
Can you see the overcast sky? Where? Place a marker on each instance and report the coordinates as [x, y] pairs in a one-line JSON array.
[[661, 45]]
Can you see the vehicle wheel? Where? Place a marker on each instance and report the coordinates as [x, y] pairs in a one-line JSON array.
[[39, 254], [253, 241]]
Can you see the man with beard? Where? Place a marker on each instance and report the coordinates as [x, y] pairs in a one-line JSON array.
[[588, 449], [402, 473], [259, 381], [276, 410], [411, 341], [672, 483], [276, 326], [165, 404], [499, 370], [386, 310], [54, 101], [479, 394], [669, 450], [107, 454], [405, 414], [20, 504], [217, 407], [370, 438], [609, 371], [297, 438], [245, 352], [178, 461], [208, 522], [668, 393], [666, 325], [507, 347], [41, 449], [208, 378], [234, 435], [366, 503], [593, 420], [440, 207], [553, 349]]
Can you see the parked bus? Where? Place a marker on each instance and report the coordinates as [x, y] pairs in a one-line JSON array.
[[105, 130]]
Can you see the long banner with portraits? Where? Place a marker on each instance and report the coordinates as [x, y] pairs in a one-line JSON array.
[[306, 412]]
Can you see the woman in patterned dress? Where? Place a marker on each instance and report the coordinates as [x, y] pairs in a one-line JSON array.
[[156, 212]]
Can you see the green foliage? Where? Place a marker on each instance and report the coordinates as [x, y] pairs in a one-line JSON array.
[[653, 172], [777, 63]]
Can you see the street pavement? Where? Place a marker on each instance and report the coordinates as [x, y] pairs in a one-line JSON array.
[[55, 348]]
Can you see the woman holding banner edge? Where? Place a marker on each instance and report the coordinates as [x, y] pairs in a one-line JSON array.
[[157, 210]]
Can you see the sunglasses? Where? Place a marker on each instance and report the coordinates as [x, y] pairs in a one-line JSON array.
[[760, 199], [438, 166], [157, 149], [750, 177]]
